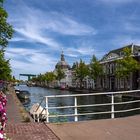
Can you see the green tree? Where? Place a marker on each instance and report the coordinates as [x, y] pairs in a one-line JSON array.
[[6, 30], [95, 70], [126, 66], [39, 79], [60, 74], [74, 65], [49, 77], [81, 71], [5, 70]]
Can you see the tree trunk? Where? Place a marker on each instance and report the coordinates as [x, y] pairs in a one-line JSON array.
[[126, 83], [81, 82], [98, 85]]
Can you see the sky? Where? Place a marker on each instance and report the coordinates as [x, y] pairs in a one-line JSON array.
[[79, 28]]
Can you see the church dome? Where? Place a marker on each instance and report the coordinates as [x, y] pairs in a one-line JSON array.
[[62, 63]]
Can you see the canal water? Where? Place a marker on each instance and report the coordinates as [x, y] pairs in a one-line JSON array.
[[37, 94]]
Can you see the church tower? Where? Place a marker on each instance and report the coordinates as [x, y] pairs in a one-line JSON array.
[[62, 63]]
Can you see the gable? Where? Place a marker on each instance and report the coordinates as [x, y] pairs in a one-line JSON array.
[[111, 56]]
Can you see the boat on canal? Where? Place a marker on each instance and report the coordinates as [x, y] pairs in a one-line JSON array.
[[24, 94]]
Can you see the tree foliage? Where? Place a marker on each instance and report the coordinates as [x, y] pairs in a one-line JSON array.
[[74, 65], [39, 78], [49, 77], [5, 70], [96, 69], [6, 30], [81, 71], [127, 64], [60, 74]]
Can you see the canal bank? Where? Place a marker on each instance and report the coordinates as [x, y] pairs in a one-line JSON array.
[[72, 89], [15, 110]]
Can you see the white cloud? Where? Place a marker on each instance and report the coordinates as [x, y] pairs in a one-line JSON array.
[[19, 67], [37, 62], [17, 39], [86, 50], [33, 35], [35, 24], [122, 41], [83, 51], [68, 26], [70, 54]]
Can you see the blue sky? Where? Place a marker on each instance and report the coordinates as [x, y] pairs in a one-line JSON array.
[[80, 28]]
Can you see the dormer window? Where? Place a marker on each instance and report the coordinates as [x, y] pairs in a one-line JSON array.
[[112, 56]]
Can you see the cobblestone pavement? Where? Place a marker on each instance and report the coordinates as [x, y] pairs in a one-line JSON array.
[[30, 131], [13, 112]]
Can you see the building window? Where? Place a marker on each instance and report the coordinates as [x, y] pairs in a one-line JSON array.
[[121, 83], [121, 53]]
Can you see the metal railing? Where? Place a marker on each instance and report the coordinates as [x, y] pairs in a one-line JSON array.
[[76, 106]]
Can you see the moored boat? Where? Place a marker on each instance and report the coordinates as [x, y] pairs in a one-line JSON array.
[[23, 94], [17, 91]]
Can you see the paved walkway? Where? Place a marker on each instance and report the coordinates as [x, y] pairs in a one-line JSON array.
[[112, 129], [17, 130], [30, 131], [13, 114]]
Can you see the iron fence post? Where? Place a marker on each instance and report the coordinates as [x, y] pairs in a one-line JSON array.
[[112, 106], [75, 109], [37, 117], [47, 112]]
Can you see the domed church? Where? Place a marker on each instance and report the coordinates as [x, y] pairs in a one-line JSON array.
[[65, 67], [62, 63]]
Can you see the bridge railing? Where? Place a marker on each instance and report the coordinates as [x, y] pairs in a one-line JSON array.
[[76, 106]]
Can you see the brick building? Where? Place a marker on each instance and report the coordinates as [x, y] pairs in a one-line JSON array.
[[109, 81]]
